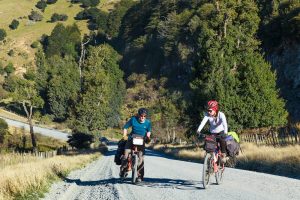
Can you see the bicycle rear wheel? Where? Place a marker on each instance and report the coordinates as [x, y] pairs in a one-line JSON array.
[[134, 168], [207, 168]]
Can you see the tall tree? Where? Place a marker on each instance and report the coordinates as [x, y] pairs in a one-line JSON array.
[[25, 93], [226, 34], [103, 90], [63, 86]]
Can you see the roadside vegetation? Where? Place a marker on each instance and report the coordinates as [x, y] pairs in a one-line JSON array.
[[30, 179], [282, 161]]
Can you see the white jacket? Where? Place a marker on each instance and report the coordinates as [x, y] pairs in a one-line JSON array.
[[217, 124]]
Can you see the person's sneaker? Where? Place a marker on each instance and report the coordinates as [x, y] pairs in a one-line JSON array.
[[139, 179]]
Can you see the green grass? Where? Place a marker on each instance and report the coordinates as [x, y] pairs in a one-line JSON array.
[[20, 39]]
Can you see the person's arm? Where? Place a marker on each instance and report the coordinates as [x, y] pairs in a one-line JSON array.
[[225, 125], [125, 127], [149, 130], [202, 124]]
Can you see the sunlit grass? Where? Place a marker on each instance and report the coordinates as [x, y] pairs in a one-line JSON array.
[[34, 175], [269, 159]]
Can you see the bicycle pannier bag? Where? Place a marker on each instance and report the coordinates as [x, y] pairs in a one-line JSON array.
[[210, 143]]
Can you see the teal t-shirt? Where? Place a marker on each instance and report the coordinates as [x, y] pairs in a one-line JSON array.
[[138, 127]]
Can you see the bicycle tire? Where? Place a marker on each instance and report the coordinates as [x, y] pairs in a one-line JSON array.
[[219, 174], [134, 169], [206, 170]]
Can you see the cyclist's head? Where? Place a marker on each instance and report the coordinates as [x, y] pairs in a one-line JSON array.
[[142, 113], [212, 107]]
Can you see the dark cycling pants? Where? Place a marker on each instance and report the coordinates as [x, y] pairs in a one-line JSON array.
[[140, 167], [220, 137]]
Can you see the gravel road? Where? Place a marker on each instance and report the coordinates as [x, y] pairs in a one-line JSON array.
[[169, 179], [44, 131]]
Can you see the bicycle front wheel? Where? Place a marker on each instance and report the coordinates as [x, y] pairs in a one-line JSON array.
[[207, 168], [219, 174], [134, 168]]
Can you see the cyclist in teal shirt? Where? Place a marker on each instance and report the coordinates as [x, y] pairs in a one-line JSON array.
[[140, 126]]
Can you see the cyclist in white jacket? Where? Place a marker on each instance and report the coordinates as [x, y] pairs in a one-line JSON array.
[[218, 125]]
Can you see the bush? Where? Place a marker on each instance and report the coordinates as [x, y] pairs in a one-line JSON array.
[[75, 1], [82, 15], [1, 68], [34, 45], [30, 74], [80, 140], [2, 34], [35, 16], [46, 119], [14, 24], [9, 68], [57, 17], [41, 5], [11, 53], [51, 1], [3, 130]]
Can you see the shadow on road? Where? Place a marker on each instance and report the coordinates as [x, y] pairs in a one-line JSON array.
[[148, 182], [172, 183]]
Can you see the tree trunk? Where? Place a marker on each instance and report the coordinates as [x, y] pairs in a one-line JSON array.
[[29, 118], [33, 139]]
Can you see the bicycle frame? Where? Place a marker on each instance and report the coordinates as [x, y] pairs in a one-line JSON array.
[[212, 165], [133, 161]]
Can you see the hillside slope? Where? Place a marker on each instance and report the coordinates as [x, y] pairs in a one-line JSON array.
[[19, 40]]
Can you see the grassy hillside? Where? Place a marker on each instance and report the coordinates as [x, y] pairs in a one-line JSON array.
[[19, 40]]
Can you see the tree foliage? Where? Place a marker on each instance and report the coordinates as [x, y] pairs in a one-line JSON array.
[[103, 90], [207, 45], [63, 41], [63, 86]]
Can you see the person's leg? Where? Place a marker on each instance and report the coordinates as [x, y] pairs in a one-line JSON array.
[[125, 157], [223, 145], [141, 165]]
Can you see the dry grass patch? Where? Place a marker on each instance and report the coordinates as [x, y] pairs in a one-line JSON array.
[[276, 160], [8, 159], [17, 180]]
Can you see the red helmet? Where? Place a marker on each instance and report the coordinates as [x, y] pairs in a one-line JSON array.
[[213, 104]]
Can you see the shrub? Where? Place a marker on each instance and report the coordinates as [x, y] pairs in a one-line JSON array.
[[80, 140], [41, 5], [34, 45], [9, 68], [46, 119], [35, 16], [57, 17], [3, 130], [75, 1], [14, 24], [30, 74], [82, 15], [51, 1], [1, 68], [11, 53], [2, 34]]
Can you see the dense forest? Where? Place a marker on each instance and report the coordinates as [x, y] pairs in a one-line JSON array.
[[170, 56]]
